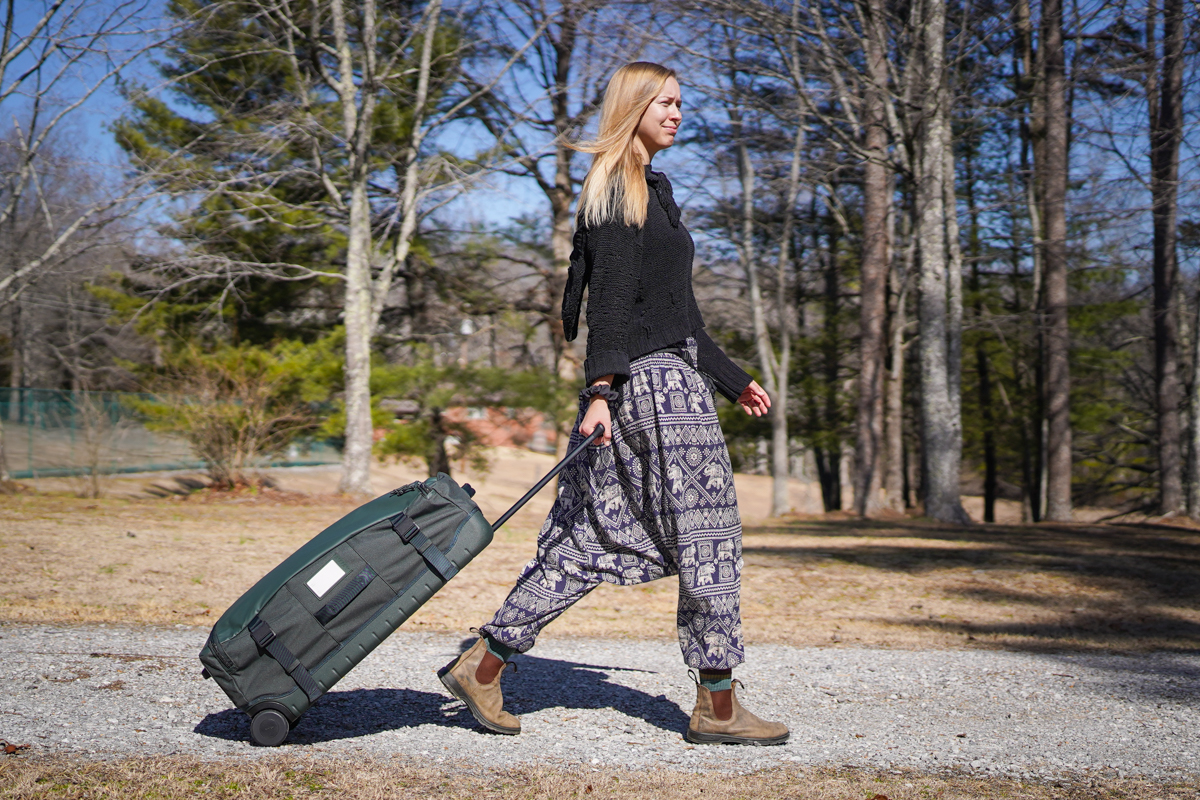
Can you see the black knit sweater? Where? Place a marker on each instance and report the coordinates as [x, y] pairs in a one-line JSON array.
[[640, 295]]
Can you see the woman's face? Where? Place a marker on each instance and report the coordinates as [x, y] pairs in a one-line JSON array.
[[660, 121]]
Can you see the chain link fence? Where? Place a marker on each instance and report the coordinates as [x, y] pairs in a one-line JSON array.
[[51, 433]]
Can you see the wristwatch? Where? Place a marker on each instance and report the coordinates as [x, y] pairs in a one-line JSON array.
[[601, 389]]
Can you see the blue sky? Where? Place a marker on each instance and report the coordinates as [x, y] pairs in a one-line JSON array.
[[508, 197]]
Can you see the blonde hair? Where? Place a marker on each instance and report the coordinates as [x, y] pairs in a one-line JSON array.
[[615, 186]]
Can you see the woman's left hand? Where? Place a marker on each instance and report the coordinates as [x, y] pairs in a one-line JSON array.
[[755, 399]]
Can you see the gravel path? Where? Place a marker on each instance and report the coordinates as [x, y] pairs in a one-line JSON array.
[[105, 690]]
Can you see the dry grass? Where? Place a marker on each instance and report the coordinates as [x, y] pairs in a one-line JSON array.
[[808, 581], [169, 778], [918, 584]]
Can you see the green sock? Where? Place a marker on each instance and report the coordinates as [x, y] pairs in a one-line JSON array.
[[716, 681], [499, 649]]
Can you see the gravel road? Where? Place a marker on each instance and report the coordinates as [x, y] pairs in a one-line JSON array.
[[104, 690]]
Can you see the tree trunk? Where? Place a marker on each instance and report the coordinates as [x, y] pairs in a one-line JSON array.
[[365, 294], [773, 371], [14, 383], [562, 194], [437, 459], [832, 369], [5, 477], [877, 200], [829, 475], [941, 454], [749, 258], [566, 364], [1029, 77], [16, 372], [1194, 438], [982, 360], [954, 292], [1166, 132], [562, 222], [356, 459], [1054, 170], [357, 106], [561, 233], [780, 452], [894, 480]]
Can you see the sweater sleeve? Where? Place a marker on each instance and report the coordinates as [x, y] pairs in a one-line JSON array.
[[729, 379], [616, 253]]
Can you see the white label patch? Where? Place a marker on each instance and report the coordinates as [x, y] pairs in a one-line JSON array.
[[324, 580]]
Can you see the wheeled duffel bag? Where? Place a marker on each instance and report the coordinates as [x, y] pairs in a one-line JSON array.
[[309, 621]]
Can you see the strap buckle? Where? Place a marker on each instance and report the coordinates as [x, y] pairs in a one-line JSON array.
[[261, 632], [404, 527]]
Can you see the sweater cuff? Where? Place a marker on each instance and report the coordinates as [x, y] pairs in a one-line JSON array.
[[729, 379], [607, 362]]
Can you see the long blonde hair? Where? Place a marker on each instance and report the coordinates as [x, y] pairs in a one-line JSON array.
[[615, 186]]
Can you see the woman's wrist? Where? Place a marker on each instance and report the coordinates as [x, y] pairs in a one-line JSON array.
[[599, 390]]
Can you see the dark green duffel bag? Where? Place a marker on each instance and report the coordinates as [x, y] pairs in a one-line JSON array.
[[309, 621]]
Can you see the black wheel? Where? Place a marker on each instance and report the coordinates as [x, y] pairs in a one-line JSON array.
[[269, 728]]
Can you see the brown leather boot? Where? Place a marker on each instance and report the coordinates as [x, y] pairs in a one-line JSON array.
[[484, 699], [742, 727]]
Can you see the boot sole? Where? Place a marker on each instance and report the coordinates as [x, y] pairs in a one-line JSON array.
[[455, 688], [695, 737]]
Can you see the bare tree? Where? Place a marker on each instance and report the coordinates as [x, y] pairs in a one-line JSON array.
[[877, 204], [900, 281], [43, 52], [941, 424], [364, 91], [552, 94], [1193, 498], [1053, 173], [760, 79], [39, 64], [1165, 97]]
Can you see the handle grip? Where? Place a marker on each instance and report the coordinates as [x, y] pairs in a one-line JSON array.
[[537, 487]]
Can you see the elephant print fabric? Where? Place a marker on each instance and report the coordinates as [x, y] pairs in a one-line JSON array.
[[658, 501]]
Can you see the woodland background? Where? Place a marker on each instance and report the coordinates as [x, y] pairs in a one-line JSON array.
[[956, 242]]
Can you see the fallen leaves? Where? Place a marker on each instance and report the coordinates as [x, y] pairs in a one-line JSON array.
[[77, 675], [12, 749]]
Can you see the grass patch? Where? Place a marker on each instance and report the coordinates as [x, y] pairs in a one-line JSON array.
[[172, 777]]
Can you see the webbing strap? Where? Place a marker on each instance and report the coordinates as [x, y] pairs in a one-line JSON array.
[[343, 598], [409, 533], [265, 638]]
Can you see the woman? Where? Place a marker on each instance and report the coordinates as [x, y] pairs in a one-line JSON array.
[[656, 496]]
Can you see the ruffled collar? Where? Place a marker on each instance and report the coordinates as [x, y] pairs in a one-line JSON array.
[[662, 188]]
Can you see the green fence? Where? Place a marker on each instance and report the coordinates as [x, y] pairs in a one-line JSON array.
[[51, 433]]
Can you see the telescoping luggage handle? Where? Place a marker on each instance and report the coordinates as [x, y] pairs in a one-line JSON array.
[[597, 433], [410, 533]]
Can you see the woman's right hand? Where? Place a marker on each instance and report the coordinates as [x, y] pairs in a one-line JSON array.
[[597, 412]]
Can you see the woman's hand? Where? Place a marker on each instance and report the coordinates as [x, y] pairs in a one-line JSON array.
[[597, 412], [755, 400]]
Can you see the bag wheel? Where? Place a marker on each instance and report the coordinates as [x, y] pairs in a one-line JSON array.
[[269, 728]]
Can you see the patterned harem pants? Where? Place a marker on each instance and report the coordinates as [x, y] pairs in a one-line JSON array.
[[659, 501]]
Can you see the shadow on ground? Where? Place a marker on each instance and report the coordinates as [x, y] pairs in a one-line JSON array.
[[539, 683], [1044, 587]]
